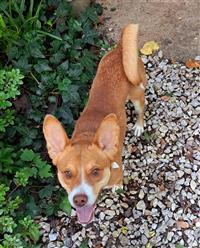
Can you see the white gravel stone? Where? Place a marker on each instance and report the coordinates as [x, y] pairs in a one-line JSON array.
[[141, 205], [53, 236], [193, 185], [110, 213], [141, 194]]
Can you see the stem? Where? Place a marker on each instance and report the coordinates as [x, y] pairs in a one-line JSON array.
[[34, 78], [16, 187]]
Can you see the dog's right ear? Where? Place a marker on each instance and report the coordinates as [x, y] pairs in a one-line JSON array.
[[55, 136]]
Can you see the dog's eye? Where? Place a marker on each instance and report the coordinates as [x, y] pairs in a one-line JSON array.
[[95, 172], [68, 174]]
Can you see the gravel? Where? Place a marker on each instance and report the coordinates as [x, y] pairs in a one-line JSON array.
[[160, 204]]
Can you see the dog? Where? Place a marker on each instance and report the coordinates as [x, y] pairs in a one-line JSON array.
[[91, 160]]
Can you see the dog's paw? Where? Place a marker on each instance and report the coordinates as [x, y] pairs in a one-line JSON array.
[[138, 129]]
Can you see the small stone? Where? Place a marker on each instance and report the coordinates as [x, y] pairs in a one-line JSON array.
[[102, 215], [144, 59], [128, 212], [53, 236], [68, 242], [115, 234], [193, 185], [109, 202], [197, 224], [110, 213], [45, 226], [160, 54], [141, 194], [170, 235], [180, 173], [141, 205], [154, 226], [198, 175], [124, 205], [163, 129], [184, 123]]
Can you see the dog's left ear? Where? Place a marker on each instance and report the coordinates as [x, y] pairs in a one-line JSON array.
[[55, 136], [107, 135]]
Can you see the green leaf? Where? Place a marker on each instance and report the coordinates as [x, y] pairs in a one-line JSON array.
[[65, 205], [147, 136], [27, 155], [46, 192], [42, 66], [36, 53], [44, 169], [119, 191], [179, 246], [34, 232], [84, 244]]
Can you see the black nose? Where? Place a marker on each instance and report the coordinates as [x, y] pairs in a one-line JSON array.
[[80, 200]]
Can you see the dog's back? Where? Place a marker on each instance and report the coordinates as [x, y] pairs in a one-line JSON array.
[[116, 72]]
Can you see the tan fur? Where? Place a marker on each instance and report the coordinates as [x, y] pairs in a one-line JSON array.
[[99, 132]]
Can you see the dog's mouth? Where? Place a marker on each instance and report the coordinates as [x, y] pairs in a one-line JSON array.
[[85, 214]]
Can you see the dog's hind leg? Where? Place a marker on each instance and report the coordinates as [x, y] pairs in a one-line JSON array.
[[135, 73], [136, 95]]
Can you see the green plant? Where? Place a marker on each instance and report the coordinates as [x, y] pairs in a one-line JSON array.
[[10, 82], [20, 19], [57, 53], [25, 167]]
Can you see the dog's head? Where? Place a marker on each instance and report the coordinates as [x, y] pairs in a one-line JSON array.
[[83, 169]]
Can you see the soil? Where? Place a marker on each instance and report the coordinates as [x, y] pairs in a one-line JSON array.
[[174, 24]]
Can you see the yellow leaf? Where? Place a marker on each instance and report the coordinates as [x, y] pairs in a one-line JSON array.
[[152, 234], [191, 63], [148, 245], [149, 47], [124, 230]]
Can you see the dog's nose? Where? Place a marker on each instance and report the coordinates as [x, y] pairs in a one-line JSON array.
[[80, 200]]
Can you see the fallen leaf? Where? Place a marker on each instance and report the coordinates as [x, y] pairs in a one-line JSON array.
[[124, 230], [189, 153], [162, 142], [152, 234], [173, 61], [182, 224], [162, 187], [149, 47], [134, 148], [191, 63], [148, 245], [165, 98]]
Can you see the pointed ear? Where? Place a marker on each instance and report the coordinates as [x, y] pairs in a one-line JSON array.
[[55, 136], [107, 135]]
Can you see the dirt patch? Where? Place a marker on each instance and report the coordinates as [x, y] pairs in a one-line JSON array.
[[174, 24]]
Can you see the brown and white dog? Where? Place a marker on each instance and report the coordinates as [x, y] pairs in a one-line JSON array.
[[91, 159]]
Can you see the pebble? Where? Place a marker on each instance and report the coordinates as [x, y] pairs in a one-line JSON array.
[[193, 185], [180, 173], [141, 194], [110, 213], [141, 205], [53, 236]]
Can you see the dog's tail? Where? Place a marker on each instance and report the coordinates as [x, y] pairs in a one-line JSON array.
[[130, 53]]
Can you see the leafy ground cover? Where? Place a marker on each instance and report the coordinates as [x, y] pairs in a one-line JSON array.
[[47, 61]]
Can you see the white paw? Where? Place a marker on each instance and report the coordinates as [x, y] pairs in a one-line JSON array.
[[138, 129]]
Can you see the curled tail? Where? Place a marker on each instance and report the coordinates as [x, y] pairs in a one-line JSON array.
[[130, 53]]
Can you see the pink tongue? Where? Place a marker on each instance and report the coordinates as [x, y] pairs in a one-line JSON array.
[[85, 213]]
